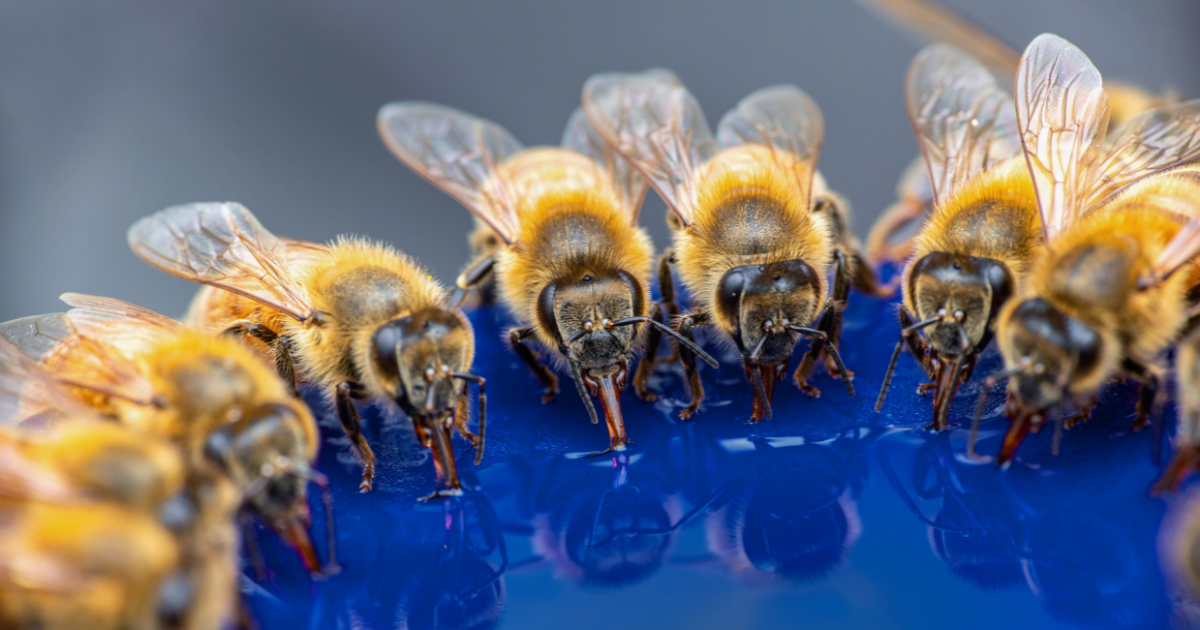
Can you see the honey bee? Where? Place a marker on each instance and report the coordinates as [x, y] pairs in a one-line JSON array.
[[100, 526], [891, 238], [358, 318], [1187, 429], [575, 267], [212, 397], [755, 229], [1104, 300], [982, 231]]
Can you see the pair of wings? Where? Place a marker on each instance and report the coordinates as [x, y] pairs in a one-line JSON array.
[[92, 346], [463, 155], [965, 123], [224, 245], [652, 120]]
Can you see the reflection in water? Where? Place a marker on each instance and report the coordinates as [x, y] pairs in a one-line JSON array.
[[774, 503]]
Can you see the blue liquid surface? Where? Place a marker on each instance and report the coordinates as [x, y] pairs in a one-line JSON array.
[[827, 516]]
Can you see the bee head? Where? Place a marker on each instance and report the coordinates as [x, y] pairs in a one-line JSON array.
[[965, 293], [265, 454], [586, 309], [764, 302], [415, 359], [1049, 350]]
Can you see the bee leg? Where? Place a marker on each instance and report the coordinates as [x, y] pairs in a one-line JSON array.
[[862, 277], [517, 338], [688, 358], [281, 345], [475, 274], [666, 289], [460, 419], [1149, 388], [344, 396], [1082, 416], [645, 368], [815, 349]]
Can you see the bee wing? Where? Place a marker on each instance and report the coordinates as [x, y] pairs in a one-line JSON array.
[[582, 137], [458, 153], [54, 343], [783, 119], [963, 120], [1151, 142], [223, 245], [1062, 114], [655, 123], [127, 327], [27, 391]]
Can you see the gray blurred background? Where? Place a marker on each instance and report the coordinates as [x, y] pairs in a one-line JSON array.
[[110, 111]]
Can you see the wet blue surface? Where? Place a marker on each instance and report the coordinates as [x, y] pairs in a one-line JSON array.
[[827, 516]]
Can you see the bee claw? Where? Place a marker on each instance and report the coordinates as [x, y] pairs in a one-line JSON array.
[[811, 390]]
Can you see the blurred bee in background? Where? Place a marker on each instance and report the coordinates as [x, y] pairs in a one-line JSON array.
[[1187, 400], [971, 253], [225, 409], [891, 237], [357, 318], [1104, 300], [575, 267], [755, 229], [100, 527]]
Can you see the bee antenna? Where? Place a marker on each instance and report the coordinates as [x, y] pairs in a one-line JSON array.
[[691, 345], [429, 397], [482, 383], [761, 342], [887, 376], [577, 374], [822, 338], [322, 482], [576, 336]]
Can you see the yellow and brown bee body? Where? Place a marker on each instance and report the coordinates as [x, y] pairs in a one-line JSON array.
[[357, 318], [1111, 290], [572, 265], [755, 229], [1085, 315]]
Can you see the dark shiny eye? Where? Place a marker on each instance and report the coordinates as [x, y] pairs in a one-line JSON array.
[[383, 350], [587, 278]]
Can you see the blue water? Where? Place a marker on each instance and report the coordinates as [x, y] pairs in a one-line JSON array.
[[827, 516]]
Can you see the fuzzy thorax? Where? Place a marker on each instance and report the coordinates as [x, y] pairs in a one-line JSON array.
[[565, 235], [356, 287], [754, 213]]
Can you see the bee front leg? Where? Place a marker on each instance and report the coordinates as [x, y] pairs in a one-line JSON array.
[[688, 358], [281, 345], [1148, 378], [344, 395], [916, 344], [641, 378], [517, 338], [474, 275], [460, 419]]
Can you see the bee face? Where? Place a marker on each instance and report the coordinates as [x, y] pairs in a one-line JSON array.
[[762, 300], [414, 357], [965, 293], [587, 305], [1053, 349]]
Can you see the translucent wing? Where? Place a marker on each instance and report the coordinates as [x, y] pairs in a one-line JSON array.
[[458, 153], [963, 120], [70, 358], [223, 245], [783, 119], [656, 124], [1151, 142], [1185, 245], [302, 251], [582, 137], [127, 327], [27, 391], [1062, 114]]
